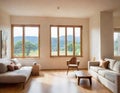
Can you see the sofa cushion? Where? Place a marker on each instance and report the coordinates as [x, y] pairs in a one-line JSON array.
[[3, 68], [116, 66], [111, 63], [111, 75], [16, 76], [95, 68], [102, 72]]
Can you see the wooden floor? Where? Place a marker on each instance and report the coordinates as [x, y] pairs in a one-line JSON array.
[[55, 82]]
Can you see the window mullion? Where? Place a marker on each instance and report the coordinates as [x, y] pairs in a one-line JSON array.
[[73, 41], [66, 41], [23, 42], [58, 40], [81, 40]]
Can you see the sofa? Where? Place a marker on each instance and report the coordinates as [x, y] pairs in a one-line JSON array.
[[109, 76], [10, 74]]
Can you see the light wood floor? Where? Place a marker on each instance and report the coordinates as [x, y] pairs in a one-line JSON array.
[[55, 82]]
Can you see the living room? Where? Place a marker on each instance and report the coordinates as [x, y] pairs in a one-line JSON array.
[[98, 20]]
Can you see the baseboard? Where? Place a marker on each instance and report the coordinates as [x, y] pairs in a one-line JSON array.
[[61, 69]]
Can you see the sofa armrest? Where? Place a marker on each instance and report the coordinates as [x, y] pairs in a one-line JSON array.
[[93, 63], [117, 81]]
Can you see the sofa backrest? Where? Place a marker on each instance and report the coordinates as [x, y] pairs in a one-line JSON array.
[[3, 65], [25, 61], [116, 67], [113, 64]]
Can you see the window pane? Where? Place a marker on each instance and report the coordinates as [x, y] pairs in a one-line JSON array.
[[62, 41], [17, 35], [69, 40], [31, 41], [77, 41], [54, 41], [116, 43]]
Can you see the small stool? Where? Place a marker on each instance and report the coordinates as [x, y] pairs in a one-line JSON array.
[[35, 70]]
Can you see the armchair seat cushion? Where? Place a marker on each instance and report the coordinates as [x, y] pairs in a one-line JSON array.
[[73, 65]]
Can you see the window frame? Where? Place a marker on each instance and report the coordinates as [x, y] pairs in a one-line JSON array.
[[23, 40], [81, 28]]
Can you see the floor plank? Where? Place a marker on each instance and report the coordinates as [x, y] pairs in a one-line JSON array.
[[55, 82]]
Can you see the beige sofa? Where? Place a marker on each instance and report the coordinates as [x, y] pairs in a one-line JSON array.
[[109, 77], [20, 75]]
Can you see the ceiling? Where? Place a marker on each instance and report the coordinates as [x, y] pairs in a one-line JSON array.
[[59, 8]]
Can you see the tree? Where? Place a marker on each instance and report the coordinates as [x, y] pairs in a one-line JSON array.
[[70, 46], [28, 47]]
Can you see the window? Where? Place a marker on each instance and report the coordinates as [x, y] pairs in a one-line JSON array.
[[117, 42], [66, 40], [25, 41]]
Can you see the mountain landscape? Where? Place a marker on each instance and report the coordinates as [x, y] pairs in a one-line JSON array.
[[34, 40]]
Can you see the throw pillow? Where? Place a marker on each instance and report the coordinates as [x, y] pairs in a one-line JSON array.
[[11, 66], [15, 60], [104, 64], [3, 68], [17, 66]]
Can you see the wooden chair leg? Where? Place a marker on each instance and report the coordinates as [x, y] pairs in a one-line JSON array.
[[67, 70], [77, 68]]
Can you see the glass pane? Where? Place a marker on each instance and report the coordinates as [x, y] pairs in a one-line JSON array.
[[62, 41], [77, 41], [54, 41], [69, 40], [116, 43], [31, 41], [17, 35]]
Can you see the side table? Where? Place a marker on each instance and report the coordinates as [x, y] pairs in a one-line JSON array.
[[35, 70]]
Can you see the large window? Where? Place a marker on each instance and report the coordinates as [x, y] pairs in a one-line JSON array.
[[117, 42], [25, 41], [66, 40]]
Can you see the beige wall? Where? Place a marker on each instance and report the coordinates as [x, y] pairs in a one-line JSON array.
[[106, 27], [5, 28], [45, 60], [116, 21]]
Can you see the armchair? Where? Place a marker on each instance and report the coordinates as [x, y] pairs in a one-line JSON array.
[[72, 63]]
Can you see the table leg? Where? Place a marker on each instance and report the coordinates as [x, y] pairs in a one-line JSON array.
[[78, 80], [90, 81]]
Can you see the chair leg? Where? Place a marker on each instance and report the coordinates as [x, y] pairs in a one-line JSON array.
[[77, 68], [67, 70]]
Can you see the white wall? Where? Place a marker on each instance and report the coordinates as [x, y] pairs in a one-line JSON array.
[[45, 60], [94, 35], [5, 28], [101, 35]]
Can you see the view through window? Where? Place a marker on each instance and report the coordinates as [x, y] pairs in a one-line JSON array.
[[66, 40], [117, 42], [25, 41]]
